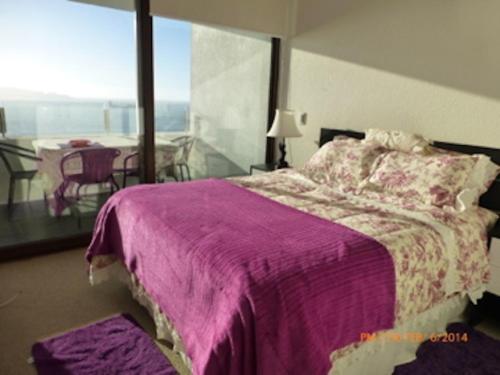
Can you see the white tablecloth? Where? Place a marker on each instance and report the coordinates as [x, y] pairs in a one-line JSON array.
[[51, 151]]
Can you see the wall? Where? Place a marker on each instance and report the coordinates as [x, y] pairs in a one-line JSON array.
[[116, 4], [426, 66], [264, 16], [229, 86]]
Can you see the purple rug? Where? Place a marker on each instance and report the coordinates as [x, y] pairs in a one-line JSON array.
[[117, 345], [476, 353]]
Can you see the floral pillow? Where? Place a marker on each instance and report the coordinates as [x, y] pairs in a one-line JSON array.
[[479, 181], [434, 179], [343, 162]]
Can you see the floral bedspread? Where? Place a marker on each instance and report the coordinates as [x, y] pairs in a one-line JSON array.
[[436, 252]]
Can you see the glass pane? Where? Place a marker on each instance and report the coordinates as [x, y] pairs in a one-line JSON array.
[[67, 85], [211, 100]]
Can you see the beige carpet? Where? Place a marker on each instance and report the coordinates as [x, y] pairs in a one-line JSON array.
[[54, 296]]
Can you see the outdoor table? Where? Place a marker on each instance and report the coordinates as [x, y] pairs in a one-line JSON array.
[[52, 150]]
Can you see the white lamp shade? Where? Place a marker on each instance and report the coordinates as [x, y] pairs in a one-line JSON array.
[[284, 125]]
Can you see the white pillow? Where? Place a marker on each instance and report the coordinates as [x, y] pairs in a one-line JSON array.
[[397, 140]]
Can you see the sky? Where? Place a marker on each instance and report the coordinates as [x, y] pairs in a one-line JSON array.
[[85, 51]]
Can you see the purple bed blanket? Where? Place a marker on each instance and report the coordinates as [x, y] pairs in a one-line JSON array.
[[252, 286]]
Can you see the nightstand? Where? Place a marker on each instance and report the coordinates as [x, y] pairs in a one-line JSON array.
[[494, 256], [269, 167]]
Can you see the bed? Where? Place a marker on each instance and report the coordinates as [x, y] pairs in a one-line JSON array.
[[236, 272]]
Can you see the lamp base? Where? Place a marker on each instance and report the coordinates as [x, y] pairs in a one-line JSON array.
[[282, 163]]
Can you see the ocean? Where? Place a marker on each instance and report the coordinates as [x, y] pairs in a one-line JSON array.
[[26, 118]]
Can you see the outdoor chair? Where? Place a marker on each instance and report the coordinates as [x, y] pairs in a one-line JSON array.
[[128, 170], [14, 158], [185, 144], [97, 168]]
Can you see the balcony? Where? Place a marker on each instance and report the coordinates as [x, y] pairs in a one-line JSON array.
[[31, 218]]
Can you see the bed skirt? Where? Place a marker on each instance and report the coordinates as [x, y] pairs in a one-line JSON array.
[[378, 356]]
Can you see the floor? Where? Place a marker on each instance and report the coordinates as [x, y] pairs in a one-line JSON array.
[[53, 295], [32, 222]]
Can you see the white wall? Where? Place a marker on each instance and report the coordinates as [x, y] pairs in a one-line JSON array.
[[116, 4], [229, 86], [426, 66], [264, 16]]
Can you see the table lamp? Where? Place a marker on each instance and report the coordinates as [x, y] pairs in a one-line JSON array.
[[284, 126]]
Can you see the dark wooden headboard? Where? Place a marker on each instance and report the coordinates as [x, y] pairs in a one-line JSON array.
[[490, 200]]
